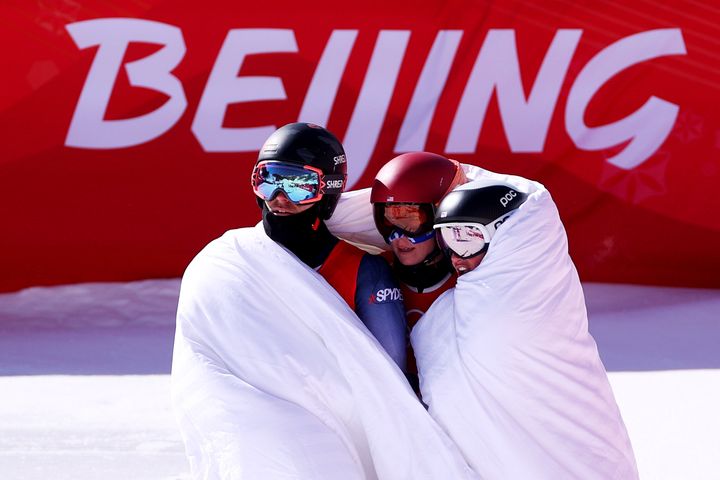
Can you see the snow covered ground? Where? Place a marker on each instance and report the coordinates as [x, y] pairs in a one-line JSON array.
[[84, 379]]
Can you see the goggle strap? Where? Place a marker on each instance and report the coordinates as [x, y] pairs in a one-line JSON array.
[[397, 233], [422, 237], [332, 183], [491, 227]]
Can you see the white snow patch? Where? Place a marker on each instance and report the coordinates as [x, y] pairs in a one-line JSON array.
[[84, 379]]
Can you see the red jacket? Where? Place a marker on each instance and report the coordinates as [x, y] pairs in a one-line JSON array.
[[340, 270]]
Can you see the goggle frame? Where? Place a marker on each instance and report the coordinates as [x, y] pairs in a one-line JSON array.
[[322, 188]]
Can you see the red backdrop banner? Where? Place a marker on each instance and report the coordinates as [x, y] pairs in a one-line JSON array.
[[130, 128]]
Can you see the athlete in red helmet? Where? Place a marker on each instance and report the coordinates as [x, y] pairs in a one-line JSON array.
[[405, 195]]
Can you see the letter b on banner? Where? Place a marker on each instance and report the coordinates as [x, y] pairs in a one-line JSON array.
[[88, 128]]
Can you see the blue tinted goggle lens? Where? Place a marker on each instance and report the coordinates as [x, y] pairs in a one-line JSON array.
[[395, 234], [298, 183]]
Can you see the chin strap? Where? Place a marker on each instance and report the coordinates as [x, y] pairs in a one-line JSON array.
[[427, 273]]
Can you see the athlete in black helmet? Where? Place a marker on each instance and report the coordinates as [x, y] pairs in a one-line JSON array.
[[298, 178], [274, 374]]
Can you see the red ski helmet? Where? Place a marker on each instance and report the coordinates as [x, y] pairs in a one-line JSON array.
[[415, 178]]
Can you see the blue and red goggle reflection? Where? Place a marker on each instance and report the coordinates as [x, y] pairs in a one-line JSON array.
[[300, 183]]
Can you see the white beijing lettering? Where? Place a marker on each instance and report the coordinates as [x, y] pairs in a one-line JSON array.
[[646, 128], [225, 87], [88, 128]]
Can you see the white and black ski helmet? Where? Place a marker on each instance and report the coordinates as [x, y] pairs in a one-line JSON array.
[[483, 203]]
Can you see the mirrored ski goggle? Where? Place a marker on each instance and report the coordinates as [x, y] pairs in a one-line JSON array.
[[300, 183], [397, 233], [410, 217], [463, 239], [412, 220]]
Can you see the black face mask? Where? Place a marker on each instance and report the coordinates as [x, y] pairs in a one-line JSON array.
[[427, 273], [304, 234]]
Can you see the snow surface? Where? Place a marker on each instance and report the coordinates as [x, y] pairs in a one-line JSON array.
[[84, 379]]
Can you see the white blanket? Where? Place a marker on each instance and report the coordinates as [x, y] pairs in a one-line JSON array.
[[274, 377], [353, 221], [507, 365]]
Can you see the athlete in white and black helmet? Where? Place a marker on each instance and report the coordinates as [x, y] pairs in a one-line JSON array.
[[468, 217], [507, 365], [298, 178]]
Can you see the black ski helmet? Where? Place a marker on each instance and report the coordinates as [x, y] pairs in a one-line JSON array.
[[485, 202], [308, 144]]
